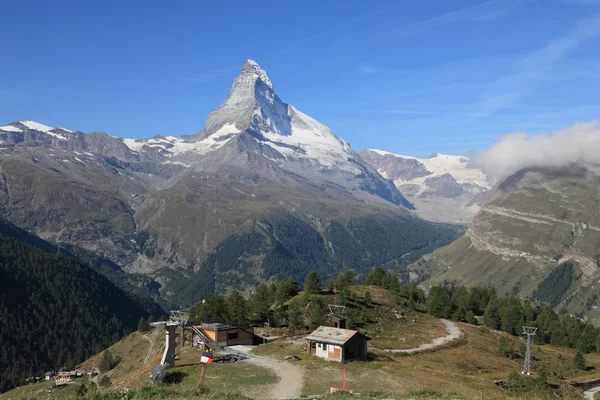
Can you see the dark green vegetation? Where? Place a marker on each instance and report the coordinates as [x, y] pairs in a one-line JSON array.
[[289, 246], [55, 312], [107, 362], [555, 285], [510, 314], [143, 289], [579, 361]]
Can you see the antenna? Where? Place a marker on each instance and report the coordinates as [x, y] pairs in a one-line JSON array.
[[527, 366]]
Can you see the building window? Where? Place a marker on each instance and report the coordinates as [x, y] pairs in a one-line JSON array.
[[233, 335]]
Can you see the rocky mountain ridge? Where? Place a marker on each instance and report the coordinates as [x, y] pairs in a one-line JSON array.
[[535, 222], [442, 187], [262, 181]]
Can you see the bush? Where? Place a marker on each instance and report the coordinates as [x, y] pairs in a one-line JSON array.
[[579, 361], [104, 382], [519, 385], [506, 348], [143, 325]]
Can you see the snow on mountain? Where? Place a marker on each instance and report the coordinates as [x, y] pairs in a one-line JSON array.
[[253, 105], [442, 187], [252, 129], [438, 165], [21, 126], [36, 126], [10, 128]]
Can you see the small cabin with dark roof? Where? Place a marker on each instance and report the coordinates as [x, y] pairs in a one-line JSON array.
[[337, 344]]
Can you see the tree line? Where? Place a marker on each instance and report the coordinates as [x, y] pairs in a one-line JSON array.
[[279, 305]]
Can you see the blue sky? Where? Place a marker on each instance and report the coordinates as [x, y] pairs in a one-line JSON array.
[[412, 77]]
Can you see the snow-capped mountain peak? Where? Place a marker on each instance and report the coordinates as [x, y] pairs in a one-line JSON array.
[[251, 66], [281, 129]]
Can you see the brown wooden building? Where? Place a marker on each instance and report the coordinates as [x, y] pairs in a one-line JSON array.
[[227, 335], [337, 344]]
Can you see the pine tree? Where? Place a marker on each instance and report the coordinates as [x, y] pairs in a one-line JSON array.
[[368, 299], [491, 317], [260, 304], [312, 283], [143, 325], [376, 277], [294, 316], [579, 361], [394, 283], [330, 286], [438, 302], [346, 296], [587, 340], [471, 318], [237, 308], [346, 278], [286, 290], [107, 362]]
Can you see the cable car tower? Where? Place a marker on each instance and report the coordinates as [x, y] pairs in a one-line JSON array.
[[181, 317], [527, 366]]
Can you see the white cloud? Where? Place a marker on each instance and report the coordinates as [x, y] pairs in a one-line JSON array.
[[579, 144], [485, 11], [507, 91]]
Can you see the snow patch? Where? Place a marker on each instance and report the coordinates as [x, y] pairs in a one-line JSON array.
[[440, 164], [134, 144], [56, 135], [211, 143], [10, 128], [36, 126]]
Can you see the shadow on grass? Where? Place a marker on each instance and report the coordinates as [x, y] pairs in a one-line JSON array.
[[174, 377]]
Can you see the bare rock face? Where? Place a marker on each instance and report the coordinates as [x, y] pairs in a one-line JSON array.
[[534, 222]]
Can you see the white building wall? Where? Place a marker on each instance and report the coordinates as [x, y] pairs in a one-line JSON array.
[[322, 350]]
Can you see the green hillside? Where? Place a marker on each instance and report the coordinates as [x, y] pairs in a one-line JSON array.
[[55, 312]]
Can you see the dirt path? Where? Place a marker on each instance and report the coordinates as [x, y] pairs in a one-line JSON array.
[[149, 348], [454, 333], [291, 377], [589, 394]]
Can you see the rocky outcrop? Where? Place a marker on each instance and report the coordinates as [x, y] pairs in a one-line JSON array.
[[535, 221]]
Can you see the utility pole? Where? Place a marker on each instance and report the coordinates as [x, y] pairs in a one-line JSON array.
[[527, 366]]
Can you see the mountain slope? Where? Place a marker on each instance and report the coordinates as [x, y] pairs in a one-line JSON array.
[[536, 222], [257, 176], [55, 311], [443, 188]]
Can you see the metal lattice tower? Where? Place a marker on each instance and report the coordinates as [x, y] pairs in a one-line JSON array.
[[181, 317], [527, 366], [334, 309]]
